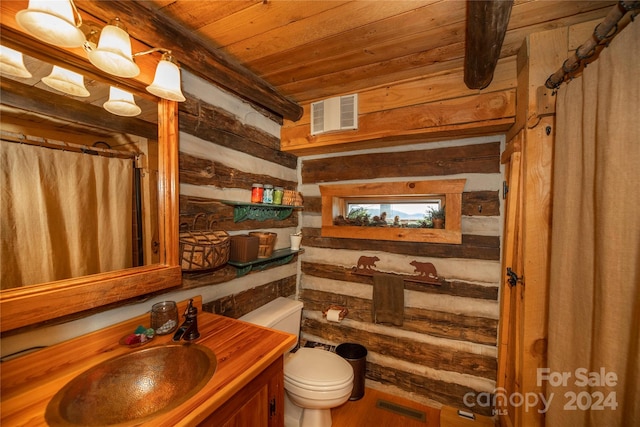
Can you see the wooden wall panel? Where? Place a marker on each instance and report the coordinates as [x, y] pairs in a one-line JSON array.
[[448, 393], [472, 247], [479, 158], [479, 330], [405, 348], [481, 203], [239, 304], [194, 170], [482, 114], [211, 123], [446, 287]]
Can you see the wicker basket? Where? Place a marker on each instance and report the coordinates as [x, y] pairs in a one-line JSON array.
[[266, 244], [203, 249]]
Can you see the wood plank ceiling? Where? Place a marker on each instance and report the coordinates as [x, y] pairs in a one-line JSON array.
[[311, 50], [282, 54]]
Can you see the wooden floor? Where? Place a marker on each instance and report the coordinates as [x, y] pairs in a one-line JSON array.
[[364, 412]]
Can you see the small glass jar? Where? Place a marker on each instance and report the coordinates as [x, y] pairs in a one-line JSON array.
[[257, 191], [164, 317], [278, 192], [267, 196]]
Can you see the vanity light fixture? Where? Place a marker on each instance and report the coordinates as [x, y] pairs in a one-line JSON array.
[[66, 81], [113, 53], [12, 63], [56, 22], [121, 103]]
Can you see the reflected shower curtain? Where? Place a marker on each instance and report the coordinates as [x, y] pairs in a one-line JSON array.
[[64, 214], [594, 295]]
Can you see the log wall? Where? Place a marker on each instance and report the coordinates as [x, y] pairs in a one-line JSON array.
[[446, 346], [225, 147]]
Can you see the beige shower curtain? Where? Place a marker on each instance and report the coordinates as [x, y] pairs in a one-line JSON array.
[[594, 295], [64, 214]]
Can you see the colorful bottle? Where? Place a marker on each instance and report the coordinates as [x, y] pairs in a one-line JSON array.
[[267, 195], [278, 192], [257, 191]]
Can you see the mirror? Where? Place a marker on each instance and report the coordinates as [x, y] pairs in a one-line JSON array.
[[44, 301], [84, 192]]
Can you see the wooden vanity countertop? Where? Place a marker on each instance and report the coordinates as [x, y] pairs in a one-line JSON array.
[[243, 351]]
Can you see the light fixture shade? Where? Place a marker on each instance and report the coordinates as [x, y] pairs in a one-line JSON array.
[[121, 103], [12, 63], [66, 81], [166, 83], [113, 54], [52, 22]]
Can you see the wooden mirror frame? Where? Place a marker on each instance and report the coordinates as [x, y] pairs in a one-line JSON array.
[[34, 304]]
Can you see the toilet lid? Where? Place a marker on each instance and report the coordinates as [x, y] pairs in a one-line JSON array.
[[317, 367]]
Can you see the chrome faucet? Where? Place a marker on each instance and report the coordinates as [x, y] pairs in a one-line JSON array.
[[188, 331]]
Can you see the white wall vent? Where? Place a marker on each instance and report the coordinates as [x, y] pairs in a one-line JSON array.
[[339, 113]]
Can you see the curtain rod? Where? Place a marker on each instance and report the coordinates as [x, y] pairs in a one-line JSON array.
[[65, 146], [603, 33]]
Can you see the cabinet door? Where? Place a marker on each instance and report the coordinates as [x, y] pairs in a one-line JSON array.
[[258, 404], [253, 413]]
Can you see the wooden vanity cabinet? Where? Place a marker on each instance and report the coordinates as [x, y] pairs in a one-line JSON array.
[[247, 389], [258, 404]]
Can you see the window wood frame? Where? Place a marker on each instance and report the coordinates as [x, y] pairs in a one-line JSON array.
[[334, 200]]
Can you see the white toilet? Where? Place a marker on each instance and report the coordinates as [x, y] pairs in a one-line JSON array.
[[315, 380]]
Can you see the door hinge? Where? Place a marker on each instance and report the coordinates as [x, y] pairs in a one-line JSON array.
[[272, 407], [513, 277], [505, 189]]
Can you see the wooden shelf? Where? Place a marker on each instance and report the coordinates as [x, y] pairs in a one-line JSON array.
[[278, 257], [259, 211]]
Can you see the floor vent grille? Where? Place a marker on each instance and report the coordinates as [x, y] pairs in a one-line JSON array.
[[402, 410]]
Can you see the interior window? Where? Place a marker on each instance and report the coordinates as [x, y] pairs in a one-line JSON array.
[[411, 211], [397, 213]]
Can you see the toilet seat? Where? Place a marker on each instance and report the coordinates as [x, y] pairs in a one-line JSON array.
[[317, 369], [320, 388], [315, 397]]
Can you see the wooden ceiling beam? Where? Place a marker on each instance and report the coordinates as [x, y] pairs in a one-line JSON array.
[[154, 29], [487, 22]]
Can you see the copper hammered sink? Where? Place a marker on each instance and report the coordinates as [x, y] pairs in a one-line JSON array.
[[133, 388]]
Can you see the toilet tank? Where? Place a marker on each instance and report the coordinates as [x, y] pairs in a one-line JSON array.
[[283, 314]]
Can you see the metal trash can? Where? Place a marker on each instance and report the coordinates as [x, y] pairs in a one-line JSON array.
[[356, 355]]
